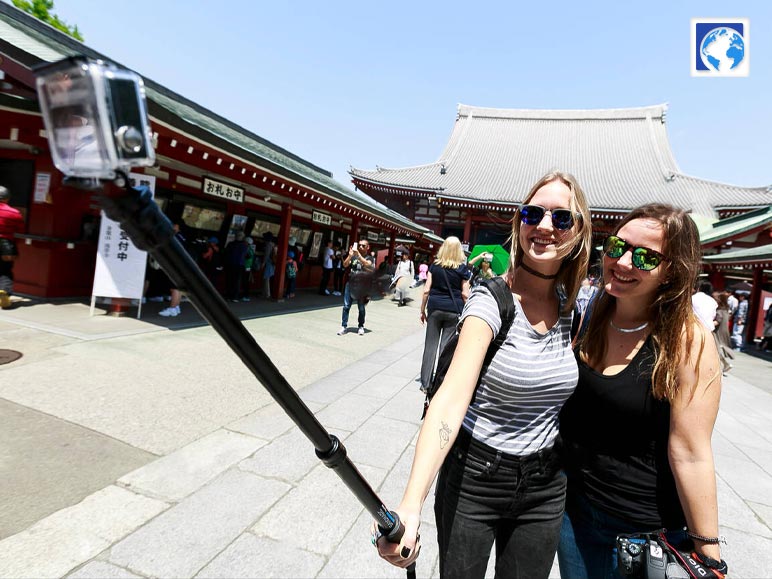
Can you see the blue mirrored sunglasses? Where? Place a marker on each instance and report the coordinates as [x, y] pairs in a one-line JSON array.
[[561, 218]]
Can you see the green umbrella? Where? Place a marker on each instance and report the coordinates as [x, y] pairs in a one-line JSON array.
[[500, 261]]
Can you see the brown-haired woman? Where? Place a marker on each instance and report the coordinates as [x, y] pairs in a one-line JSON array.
[[637, 430], [491, 435]]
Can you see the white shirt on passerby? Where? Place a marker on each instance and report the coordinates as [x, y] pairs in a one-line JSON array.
[[705, 309], [328, 253]]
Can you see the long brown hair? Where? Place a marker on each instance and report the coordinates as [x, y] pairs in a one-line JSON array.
[[576, 252], [671, 314]]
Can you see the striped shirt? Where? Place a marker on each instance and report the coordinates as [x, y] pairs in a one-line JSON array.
[[515, 409]]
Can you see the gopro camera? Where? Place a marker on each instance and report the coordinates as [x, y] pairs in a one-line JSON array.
[[96, 117]]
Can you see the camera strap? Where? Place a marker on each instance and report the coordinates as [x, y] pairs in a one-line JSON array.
[[696, 565]]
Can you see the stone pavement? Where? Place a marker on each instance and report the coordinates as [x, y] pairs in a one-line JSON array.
[[226, 485]]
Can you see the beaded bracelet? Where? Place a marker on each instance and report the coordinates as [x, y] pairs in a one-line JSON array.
[[708, 540]]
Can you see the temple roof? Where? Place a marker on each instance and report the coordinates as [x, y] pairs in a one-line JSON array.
[[621, 158]]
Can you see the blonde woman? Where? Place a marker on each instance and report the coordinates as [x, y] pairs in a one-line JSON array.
[[491, 435], [445, 291], [637, 430]]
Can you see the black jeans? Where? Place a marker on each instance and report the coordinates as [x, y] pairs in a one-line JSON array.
[[484, 495], [440, 327]]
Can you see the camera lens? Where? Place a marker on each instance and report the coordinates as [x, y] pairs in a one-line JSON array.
[[129, 138], [633, 549]]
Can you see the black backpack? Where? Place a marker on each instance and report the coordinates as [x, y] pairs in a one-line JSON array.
[[503, 296]]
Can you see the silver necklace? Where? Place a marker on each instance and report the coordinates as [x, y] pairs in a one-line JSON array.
[[628, 330]]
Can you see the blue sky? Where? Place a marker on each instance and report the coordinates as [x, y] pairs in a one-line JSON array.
[[377, 83]]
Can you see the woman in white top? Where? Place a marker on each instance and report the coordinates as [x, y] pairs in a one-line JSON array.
[[500, 479], [403, 278]]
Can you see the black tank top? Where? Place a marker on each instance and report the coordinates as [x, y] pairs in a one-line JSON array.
[[615, 436]]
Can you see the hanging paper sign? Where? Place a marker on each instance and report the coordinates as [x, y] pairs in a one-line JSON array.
[[322, 218], [222, 190]]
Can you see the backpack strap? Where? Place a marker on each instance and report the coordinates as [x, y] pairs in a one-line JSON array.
[[503, 296]]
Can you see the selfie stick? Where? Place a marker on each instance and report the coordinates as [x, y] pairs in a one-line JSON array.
[[150, 230]]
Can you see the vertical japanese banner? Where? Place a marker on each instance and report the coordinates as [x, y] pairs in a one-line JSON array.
[[120, 266]]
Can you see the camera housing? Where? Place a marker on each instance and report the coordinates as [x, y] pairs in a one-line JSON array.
[[96, 117]]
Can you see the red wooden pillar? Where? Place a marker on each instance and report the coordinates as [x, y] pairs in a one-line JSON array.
[[754, 304], [468, 228], [281, 253], [354, 233], [392, 245]]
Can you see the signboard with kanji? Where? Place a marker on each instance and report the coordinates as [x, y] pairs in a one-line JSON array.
[[222, 190], [120, 266]]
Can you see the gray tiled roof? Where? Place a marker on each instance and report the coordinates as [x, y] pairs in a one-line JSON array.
[[37, 41], [621, 158]]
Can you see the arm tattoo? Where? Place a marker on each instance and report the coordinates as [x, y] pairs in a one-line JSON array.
[[444, 434]]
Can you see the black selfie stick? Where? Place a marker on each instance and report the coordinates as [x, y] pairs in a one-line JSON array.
[[150, 230]]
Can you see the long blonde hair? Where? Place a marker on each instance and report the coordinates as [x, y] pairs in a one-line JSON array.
[[576, 252], [671, 314], [451, 254]]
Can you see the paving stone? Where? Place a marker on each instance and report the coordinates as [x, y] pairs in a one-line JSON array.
[[383, 386], [746, 478], [251, 556], [748, 556], [290, 457], [72, 536], [177, 475], [102, 570], [186, 537], [736, 430], [317, 514], [763, 512], [330, 389], [734, 512], [356, 557], [404, 369], [380, 441], [406, 405], [269, 421], [349, 411]]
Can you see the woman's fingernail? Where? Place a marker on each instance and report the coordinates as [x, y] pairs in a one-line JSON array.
[[405, 552]]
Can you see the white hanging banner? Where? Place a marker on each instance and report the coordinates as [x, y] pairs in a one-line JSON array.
[[120, 266]]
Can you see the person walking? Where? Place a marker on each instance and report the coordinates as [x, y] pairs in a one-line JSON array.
[[403, 277], [11, 223], [704, 305], [637, 431], [211, 261], [175, 294], [358, 286], [235, 254], [249, 265], [721, 333], [491, 435], [269, 263], [327, 256], [738, 325], [445, 291], [291, 270], [337, 268]]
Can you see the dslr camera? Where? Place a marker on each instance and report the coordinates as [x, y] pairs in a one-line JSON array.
[[642, 557]]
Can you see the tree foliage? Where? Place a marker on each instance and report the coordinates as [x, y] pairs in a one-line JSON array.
[[41, 9]]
